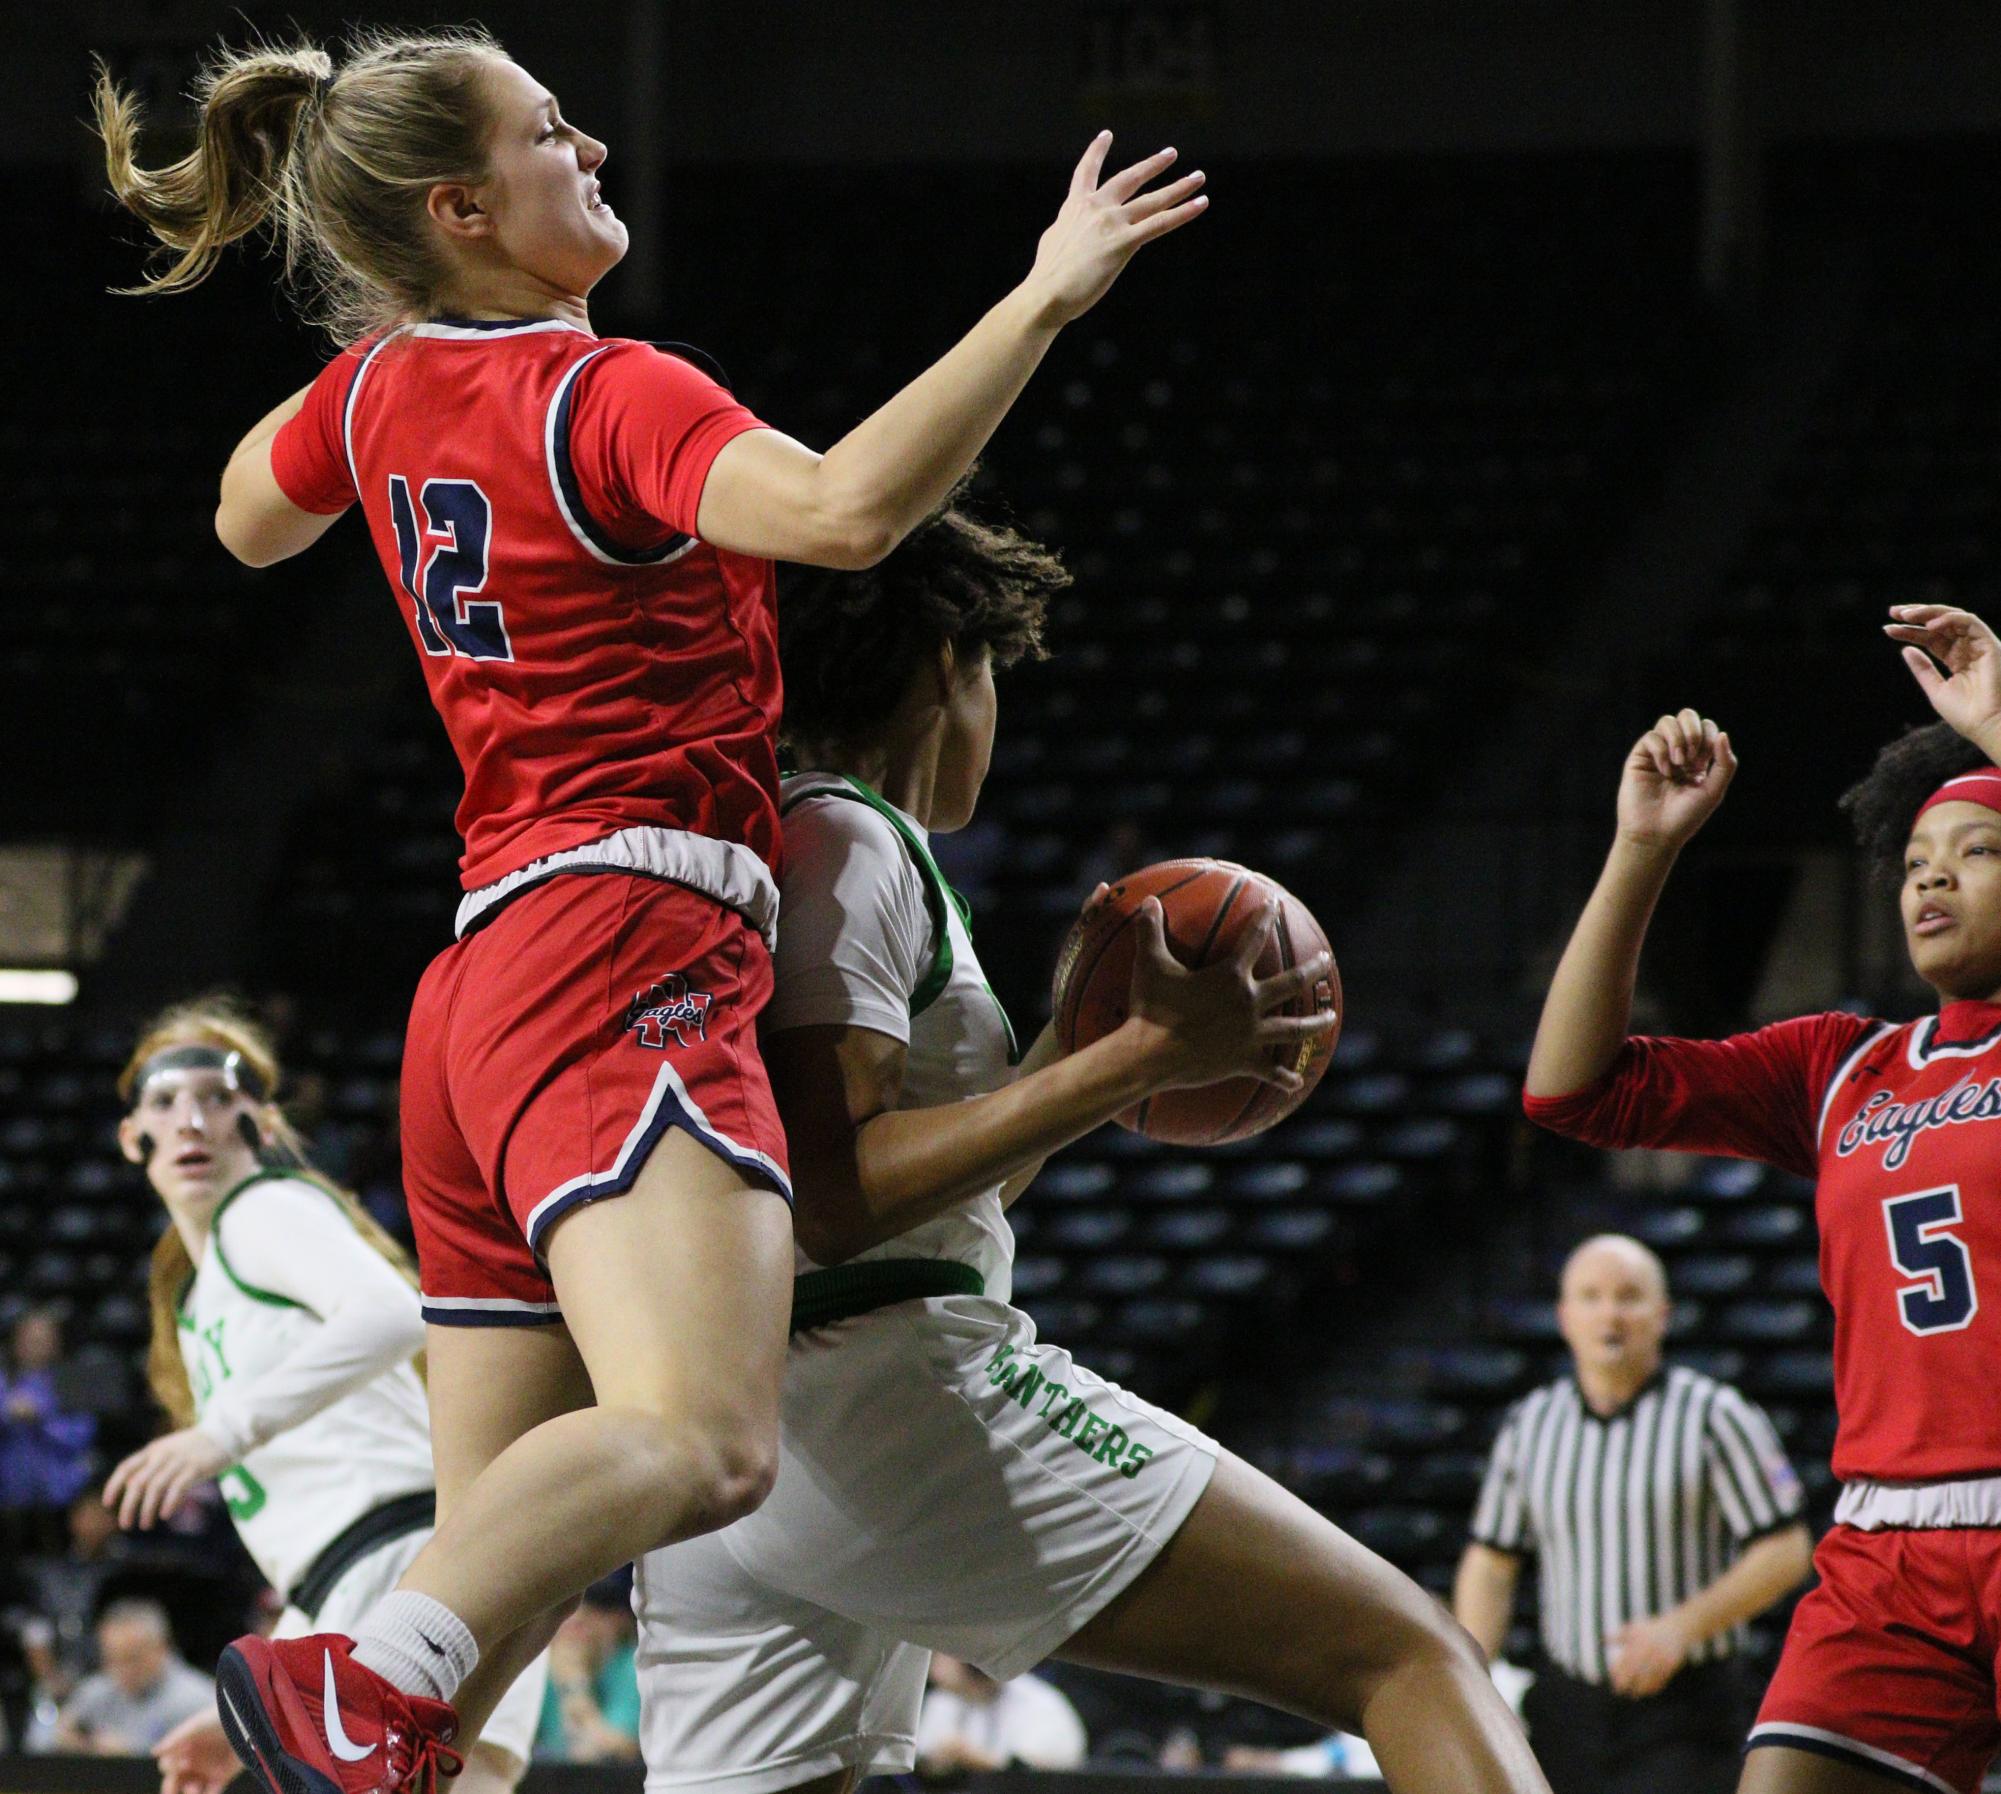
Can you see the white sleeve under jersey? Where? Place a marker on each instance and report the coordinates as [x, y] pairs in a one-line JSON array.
[[854, 937], [291, 1238]]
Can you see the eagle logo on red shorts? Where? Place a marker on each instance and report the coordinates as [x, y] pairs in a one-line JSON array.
[[666, 1008]]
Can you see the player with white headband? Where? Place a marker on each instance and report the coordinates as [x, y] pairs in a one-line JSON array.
[[285, 1325]]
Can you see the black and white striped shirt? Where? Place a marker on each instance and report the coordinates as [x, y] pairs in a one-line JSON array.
[[1631, 1513]]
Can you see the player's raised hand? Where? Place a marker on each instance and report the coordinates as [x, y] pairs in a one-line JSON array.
[[1675, 777], [1103, 222], [1968, 693]]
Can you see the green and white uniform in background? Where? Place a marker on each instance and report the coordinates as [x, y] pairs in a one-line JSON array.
[[298, 1338], [946, 1481]]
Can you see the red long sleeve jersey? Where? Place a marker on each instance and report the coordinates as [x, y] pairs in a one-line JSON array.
[[531, 491], [1893, 1124]]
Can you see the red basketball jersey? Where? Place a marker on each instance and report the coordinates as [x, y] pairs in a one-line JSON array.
[[1901, 1128], [532, 491]]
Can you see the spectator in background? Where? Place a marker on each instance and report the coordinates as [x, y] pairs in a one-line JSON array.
[[1626, 1479], [971, 1722], [67, 1587], [141, 1693], [590, 1713], [44, 1444]]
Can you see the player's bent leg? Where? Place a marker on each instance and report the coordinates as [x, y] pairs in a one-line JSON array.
[[1774, 1769], [488, 1387], [677, 1296], [1258, 1595]]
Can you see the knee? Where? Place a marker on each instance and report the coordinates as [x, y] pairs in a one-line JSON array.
[[711, 1472], [735, 1472]]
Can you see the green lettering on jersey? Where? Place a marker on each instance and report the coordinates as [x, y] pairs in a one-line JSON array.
[[1065, 1414], [212, 1338], [242, 1493]]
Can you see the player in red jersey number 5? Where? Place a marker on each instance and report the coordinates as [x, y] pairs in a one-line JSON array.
[[1888, 1679], [578, 533]]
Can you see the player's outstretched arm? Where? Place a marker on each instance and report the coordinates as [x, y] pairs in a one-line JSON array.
[[768, 495], [1674, 779], [865, 1171], [1967, 694]]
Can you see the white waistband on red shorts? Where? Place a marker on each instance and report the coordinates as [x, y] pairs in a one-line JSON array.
[[1963, 1501], [725, 870]]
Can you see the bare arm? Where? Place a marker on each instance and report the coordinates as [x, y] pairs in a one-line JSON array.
[[1674, 778], [254, 519], [1046, 1051], [768, 495], [866, 1171], [1646, 1654], [1483, 1595]]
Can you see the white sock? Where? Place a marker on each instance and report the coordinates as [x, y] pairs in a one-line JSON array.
[[416, 1643]]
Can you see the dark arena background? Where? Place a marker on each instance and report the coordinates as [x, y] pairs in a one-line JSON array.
[[1540, 367]]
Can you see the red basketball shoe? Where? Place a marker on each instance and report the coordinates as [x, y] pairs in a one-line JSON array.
[[307, 1719]]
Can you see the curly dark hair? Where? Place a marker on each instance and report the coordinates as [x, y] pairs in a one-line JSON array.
[[848, 642], [1884, 805]]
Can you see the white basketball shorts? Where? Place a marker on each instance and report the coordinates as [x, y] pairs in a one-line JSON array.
[[945, 1483]]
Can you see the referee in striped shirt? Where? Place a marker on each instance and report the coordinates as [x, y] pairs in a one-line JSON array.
[[1662, 1514]]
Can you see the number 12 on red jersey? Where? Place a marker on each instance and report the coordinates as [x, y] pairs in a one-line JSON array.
[[442, 539], [1943, 1298]]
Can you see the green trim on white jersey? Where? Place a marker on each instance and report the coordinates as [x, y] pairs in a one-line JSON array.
[[222, 1258], [939, 897]]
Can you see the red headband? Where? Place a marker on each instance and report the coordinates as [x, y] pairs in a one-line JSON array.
[[1982, 788]]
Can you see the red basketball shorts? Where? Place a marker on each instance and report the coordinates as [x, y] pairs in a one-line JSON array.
[[1891, 1662], [549, 1052]]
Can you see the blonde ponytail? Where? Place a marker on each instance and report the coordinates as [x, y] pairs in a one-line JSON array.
[[253, 106], [336, 165]]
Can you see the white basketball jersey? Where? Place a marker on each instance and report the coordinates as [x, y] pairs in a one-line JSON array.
[[960, 1043], [290, 1498]]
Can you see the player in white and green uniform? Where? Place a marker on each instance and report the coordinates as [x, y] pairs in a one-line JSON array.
[[946, 1479], [296, 1332], [284, 1268]]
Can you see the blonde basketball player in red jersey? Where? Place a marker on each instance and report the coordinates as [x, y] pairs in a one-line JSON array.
[[1889, 1675], [579, 533]]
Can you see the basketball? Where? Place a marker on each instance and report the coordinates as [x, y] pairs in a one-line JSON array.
[[1206, 905]]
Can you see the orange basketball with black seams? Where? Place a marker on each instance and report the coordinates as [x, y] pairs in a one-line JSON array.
[[1205, 907]]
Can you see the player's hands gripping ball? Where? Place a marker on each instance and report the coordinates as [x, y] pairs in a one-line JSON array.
[[1229, 984]]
